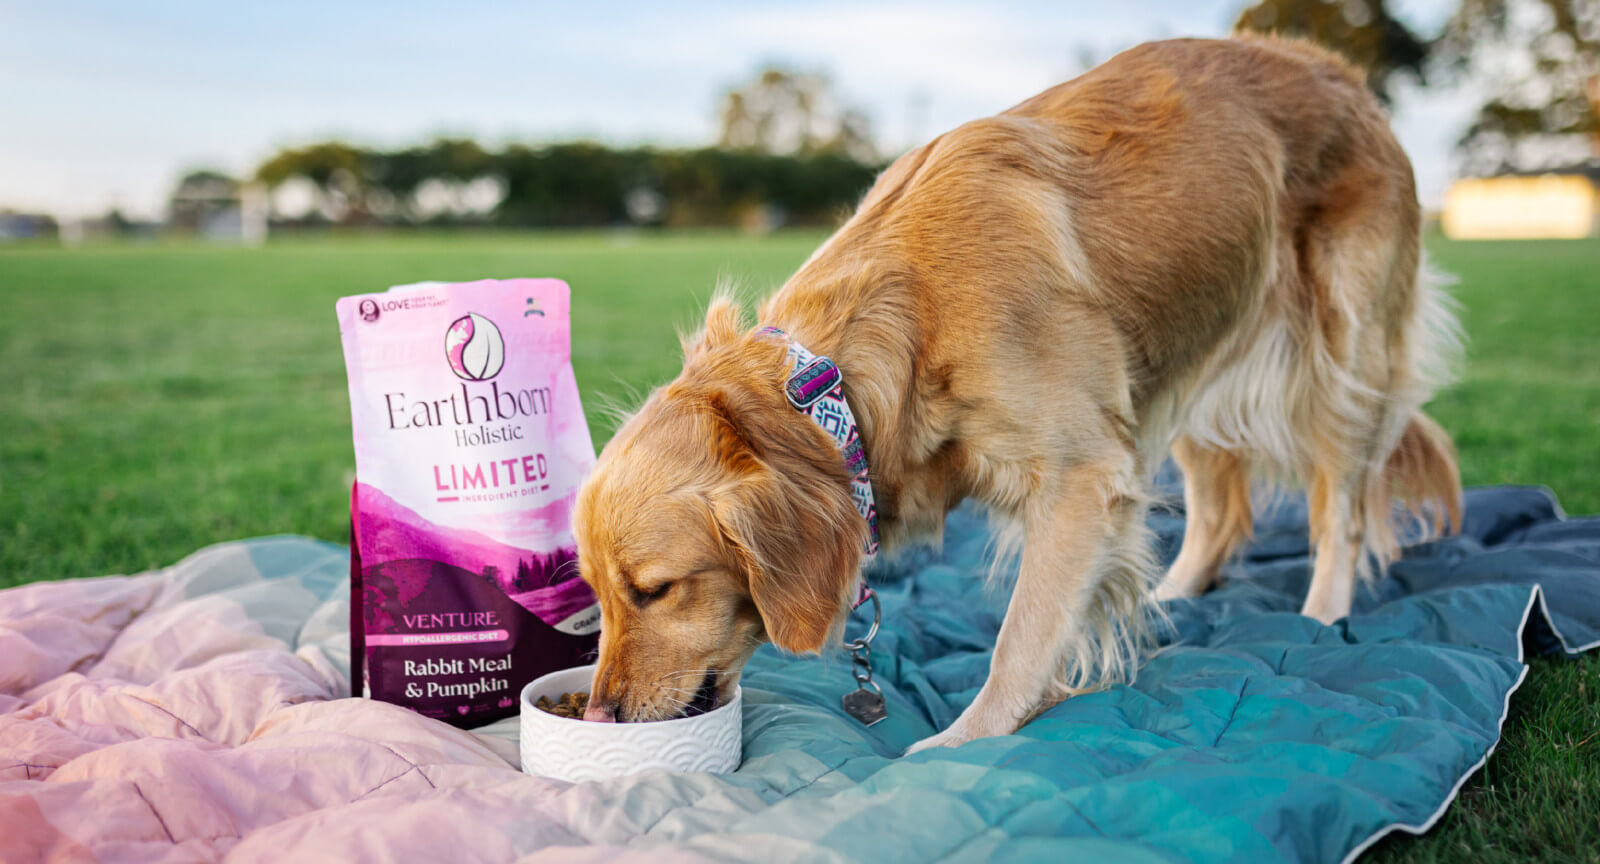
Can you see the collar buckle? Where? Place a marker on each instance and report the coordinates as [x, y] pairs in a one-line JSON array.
[[813, 381]]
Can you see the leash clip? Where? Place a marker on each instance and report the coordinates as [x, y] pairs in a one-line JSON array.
[[865, 703]]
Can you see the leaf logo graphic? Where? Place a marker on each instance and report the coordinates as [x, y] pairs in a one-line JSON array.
[[474, 347]]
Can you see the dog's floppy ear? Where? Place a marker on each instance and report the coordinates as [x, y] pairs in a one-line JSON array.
[[786, 517], [724, 322]]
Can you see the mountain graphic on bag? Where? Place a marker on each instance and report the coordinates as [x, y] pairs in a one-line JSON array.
[[470, 444]]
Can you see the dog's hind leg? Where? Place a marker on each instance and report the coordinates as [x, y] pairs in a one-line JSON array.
[[1216, 493], [1077, 605], [1360, 277], [1336, 527]]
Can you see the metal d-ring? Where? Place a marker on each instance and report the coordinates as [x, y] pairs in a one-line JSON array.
[[877, 618], [865, 703]]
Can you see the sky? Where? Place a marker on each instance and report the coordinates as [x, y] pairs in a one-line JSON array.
[[106, 103]]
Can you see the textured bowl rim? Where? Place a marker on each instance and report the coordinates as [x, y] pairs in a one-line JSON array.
[[527, 705]]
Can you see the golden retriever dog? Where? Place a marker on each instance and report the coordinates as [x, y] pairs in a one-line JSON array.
[[1208, 248]]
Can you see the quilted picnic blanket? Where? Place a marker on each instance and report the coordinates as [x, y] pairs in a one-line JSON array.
[[197, 713]]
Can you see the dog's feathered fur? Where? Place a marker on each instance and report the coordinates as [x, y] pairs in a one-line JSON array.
[[1207, 247]]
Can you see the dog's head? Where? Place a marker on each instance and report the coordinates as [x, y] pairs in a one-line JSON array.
[[716, 519]]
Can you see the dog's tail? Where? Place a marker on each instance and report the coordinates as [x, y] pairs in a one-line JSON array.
[[1420, 469], [1422, 473]]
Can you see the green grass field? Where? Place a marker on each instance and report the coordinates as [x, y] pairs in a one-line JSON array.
[[160, 398]]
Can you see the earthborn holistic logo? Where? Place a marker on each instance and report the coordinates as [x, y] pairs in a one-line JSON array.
[[474, 347]]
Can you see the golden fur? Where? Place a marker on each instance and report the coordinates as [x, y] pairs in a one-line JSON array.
[[1203, 246]]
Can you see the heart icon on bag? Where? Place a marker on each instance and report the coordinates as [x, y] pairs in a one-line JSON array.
[[461, 709]]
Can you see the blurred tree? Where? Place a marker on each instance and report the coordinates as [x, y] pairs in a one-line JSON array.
[[432, 182], [576, 183], [340, 174], [117, 222], [1539, 62], [399, 173], [459, 159], [787, 112], [1361, 30]]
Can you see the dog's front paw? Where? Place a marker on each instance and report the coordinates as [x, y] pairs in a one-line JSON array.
[[988, 715], [970, 726], [948, 738], [1325, 612]]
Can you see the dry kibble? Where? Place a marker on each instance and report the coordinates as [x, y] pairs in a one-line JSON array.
[[570, 705]]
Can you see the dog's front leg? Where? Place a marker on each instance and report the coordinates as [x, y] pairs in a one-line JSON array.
[[1090, 531]]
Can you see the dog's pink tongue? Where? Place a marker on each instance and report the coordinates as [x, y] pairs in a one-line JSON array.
[[597, 714]]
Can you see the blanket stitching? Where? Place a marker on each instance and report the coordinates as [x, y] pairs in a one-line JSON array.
[[781, 793], [1238, 698], [645, 831], [28, 767], [817, 779], [1084, 817], [391, 780], [412, 766], [157, 813], [987, 829], [1058, 796], [163, 709], [397, 755]]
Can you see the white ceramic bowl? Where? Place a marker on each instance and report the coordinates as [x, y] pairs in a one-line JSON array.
[[577, 750]]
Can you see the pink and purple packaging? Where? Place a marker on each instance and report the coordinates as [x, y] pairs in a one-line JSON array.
[[470, 443]]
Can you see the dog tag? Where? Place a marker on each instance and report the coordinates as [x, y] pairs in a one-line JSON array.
[[865, 706]]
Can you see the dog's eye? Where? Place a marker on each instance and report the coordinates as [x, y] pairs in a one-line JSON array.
[[644, 596]]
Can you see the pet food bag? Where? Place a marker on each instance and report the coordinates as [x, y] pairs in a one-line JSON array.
[[470, 443]]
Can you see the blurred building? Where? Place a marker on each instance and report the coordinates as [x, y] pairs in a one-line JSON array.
[[219, 208], [1562, 203], [113, 225], [25, 226]]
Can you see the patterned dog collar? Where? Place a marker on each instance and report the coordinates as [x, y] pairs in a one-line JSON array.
[[815, 387]]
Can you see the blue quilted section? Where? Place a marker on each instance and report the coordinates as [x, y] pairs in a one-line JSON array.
[[1255, 735]]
